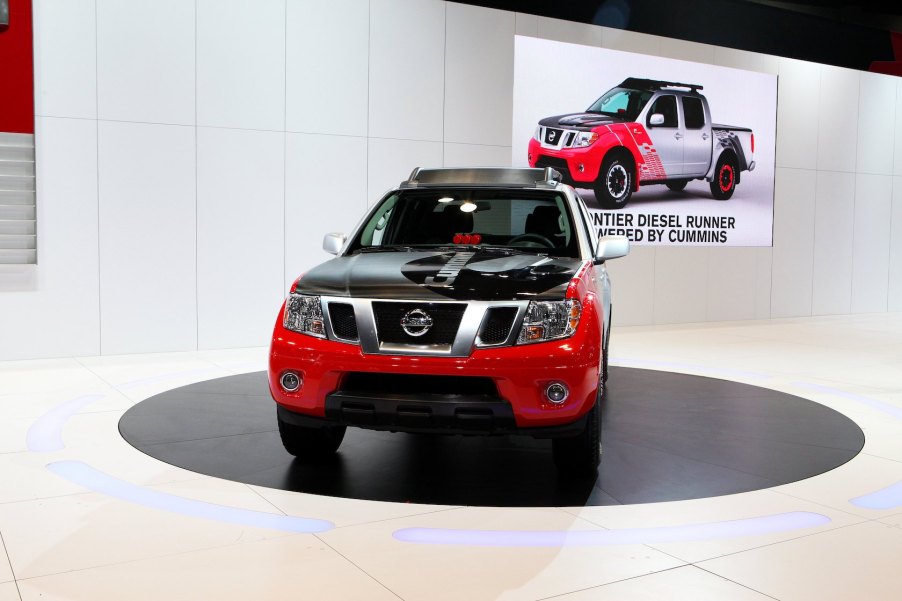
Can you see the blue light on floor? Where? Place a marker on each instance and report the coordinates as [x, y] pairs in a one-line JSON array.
[[46, 434], [885, 498], [84, 475], [862, 400], [780, 522]]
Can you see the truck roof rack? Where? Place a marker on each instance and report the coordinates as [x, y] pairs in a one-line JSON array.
[[656, 84], [501, 177]]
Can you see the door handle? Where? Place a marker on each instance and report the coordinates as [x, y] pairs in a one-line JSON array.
[[678, 136], [705, 136]]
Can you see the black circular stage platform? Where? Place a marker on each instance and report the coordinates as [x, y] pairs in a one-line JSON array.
[[666, 437]]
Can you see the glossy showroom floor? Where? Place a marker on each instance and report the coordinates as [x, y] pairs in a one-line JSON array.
[[84, 515]]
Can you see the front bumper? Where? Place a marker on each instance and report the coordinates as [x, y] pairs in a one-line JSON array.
[[568, 161], [520, 375]]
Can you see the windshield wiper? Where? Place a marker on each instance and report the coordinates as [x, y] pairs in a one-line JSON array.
[[519, 250], [385, 248]]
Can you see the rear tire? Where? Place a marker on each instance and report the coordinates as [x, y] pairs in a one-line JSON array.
[[677, 185], [580, 455], [310, 443], [725, 174]]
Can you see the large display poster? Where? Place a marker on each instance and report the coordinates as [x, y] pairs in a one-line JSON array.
[[699, 139]]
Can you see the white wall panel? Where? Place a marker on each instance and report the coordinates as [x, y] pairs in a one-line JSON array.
[[325, 191], [407, 74], [527, 24], [833, 224], [391, 162], [630, 41], [793, 254], [60, 315], [681, 284], [871, 242], [148, 294], [145, 60], [895, 255], [474, 155], [732, 283], [897, 144], [686, 51], [65, 58], [633, 287], [764, 274], [750, 61], [479, 75], [876, 124], [798, 89], [240, 235], [327, 70], [569, 31], [241, 64], [837, 138]]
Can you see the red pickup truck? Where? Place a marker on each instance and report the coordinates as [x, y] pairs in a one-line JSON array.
[[644, 132]]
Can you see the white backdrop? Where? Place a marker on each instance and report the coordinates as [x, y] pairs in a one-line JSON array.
[[191, 153]]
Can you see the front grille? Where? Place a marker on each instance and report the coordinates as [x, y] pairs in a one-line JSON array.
[[413, 385], [553, 135], [445, 321], [497, 325], [344, 324]]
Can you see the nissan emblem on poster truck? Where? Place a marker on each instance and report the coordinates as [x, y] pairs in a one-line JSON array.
[[665, 152]]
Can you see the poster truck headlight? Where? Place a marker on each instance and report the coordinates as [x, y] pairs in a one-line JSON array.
[[665, 152]]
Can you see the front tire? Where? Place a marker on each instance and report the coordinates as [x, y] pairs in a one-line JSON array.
[[615, 183], [310, 443], [580, 455], [725, 174]]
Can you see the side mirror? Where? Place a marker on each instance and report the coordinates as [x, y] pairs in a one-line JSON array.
[[333, 242], [612, 247], [656, 119]]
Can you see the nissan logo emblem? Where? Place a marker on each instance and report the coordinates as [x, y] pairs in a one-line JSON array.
[[416, 322], [552, 135]]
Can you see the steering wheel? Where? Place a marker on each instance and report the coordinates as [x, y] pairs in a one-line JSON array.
[[532, 238]]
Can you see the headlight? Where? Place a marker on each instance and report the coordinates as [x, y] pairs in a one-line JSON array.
[[538, 134], [304, 314], [585, 138], [549, 320]]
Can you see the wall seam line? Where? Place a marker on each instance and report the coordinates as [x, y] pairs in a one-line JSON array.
[[284, 282], [196, 201], [97, 169], [892, 204], [444, 76]]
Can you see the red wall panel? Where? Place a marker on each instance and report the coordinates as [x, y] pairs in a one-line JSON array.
[[17, 70]]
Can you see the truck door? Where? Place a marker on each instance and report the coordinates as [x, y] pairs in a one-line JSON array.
[[666, 136], [697, 143]]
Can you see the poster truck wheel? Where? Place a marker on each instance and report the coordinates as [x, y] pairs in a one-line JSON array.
[[724, 183], [615, 183]]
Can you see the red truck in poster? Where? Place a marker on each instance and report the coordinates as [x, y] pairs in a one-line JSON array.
[[639, 133]]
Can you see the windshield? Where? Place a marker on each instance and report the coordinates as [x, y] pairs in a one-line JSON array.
[[516, 220], [621, 102]]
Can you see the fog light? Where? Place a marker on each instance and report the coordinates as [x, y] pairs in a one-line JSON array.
[[290, 381], [529, 157], [581, 167], [556, 393]]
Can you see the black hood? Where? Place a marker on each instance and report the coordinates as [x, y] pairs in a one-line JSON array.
[[579, 121], [483, 274]]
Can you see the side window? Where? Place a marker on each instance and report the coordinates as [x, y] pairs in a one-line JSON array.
[[694, 112], [375, 229], [665, 105]]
